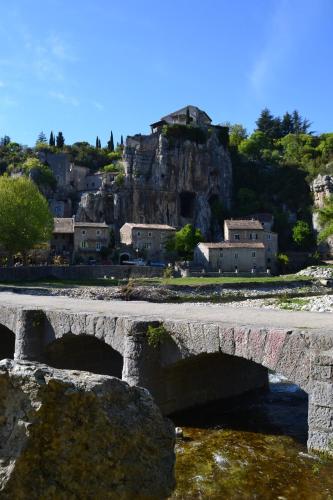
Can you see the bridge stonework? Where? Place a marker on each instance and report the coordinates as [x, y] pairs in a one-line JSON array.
[[197, 362]]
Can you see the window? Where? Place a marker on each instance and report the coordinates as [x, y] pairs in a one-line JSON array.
[[147, 245], [268, 250], [98, 246], [236, 256], [84, 244], [221, 253], [83, 232], [138, 233], [253, 236], [98, 232], [254, 266], [149, 234], [269, 236], [253, 254], [236, 236]]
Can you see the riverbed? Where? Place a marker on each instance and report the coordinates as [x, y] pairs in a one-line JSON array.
[[252, 447]]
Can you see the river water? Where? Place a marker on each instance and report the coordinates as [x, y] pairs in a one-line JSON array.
[[252, 447]]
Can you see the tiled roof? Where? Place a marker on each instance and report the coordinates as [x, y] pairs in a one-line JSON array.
[[63, 225], [165, 227], [243, 224], [90, 224], [231, 244]]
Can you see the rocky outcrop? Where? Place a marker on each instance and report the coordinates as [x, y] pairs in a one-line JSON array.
[[96, 207], [67, 434], [322, 188], [176, 181]]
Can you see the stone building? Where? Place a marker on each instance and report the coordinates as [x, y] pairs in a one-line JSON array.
[[189, 115], [247, 247], [89, 239], [253, 230], [147, 240], [230, 257], [62, 242]]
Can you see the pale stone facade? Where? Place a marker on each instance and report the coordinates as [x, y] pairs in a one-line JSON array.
[[247, 247], [231, 257], [190, 113], [90, 238], [146, 239]]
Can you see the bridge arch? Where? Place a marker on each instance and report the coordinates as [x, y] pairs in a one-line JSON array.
[[7, 342], [202, 363], [84, 353]]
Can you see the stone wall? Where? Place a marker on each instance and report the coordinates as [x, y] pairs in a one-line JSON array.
[[33, 273]]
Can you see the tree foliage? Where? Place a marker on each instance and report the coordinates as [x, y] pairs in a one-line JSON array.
[[25, 219], [184, 241], [60, 140], [303, 235]]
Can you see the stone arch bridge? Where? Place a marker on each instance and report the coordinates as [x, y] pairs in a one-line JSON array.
[[205, 358]]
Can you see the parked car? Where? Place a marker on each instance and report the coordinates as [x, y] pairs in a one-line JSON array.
[[157, 264], [135, 262]]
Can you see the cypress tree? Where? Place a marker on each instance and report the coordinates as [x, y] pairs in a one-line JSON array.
[[98, 143], [60, 140], [52, 139], [111, 143], [121, 140]]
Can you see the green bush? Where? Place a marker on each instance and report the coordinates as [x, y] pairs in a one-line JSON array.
[[185, 133], [120, 179], [156, 335]]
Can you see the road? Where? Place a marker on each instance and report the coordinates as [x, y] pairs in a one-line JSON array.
[[193, 312]]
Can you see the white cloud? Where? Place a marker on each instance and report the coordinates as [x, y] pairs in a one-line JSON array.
[[60, 49], [98, 105], [65, 99]]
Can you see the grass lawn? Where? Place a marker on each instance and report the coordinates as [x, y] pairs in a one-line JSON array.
[[223, 280], [201, 281]]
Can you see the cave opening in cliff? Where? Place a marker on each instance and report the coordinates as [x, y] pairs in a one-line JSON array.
[[84, 353], [7, 343], [187, 203]]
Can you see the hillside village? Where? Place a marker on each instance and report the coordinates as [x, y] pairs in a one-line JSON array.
[[183, 173], [184, 189]]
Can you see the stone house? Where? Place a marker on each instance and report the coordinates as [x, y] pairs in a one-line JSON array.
[[145, 240], [254, 230], [195, 115], [89, 239], [62, 242], [247, 247], [229, 257]]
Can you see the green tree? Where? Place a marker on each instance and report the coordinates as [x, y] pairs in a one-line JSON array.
[[184, 241], [237, 134], [4, 141], [247, 201], [51, 139], [40, 173], [302, 235], [41, 139], [325, 217], [111, 142], [25, 218], [188, 118], [287, 125], [60, 140], [253, 146], [98, 143], [121, 140]]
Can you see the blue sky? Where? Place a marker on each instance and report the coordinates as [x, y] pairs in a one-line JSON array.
[[86, 67]]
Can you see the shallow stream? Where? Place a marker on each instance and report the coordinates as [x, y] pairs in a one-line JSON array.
[[253, 447]]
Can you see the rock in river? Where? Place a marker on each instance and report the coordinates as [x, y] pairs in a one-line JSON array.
[[70, 434]]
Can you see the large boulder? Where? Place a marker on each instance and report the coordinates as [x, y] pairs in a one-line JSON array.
[[69, 434]]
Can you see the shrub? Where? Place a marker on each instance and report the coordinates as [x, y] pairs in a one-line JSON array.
[[185, 132], [120, 179], [156, 335]]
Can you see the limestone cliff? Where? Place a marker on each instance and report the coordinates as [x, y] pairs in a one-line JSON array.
[[322, 187], [70, 434], [176, 181]]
